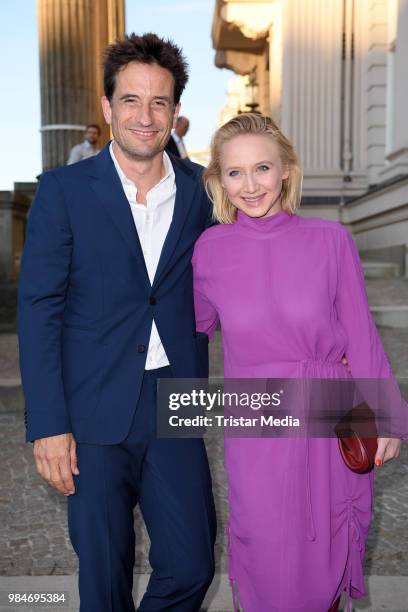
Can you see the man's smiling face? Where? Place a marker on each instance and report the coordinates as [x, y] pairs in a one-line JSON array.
[[142, 112]]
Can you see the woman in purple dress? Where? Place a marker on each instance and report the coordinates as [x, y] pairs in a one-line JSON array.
[[289, 294]]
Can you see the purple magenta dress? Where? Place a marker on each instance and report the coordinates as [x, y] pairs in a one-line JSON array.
[[289, 293]]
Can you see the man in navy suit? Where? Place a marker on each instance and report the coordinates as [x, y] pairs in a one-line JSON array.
[[105, 310]]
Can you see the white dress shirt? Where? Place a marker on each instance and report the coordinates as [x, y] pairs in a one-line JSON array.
[[82, 151], [152, 224]]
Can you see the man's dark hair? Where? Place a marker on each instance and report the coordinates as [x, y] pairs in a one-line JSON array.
[[94, 125], [146, 49]]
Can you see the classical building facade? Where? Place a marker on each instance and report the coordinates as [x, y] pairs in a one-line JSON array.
[[72, 37], [334, 76]]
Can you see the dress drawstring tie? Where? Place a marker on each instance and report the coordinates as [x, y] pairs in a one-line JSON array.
[[311, 531], [310, 528]]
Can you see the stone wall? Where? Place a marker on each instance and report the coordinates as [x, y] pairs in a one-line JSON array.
[[14, 207]]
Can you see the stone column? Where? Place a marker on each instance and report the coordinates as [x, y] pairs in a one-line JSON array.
[[311, 92], [397, 100], [109, 25], [321, 92], [72, 35], [376, 88]]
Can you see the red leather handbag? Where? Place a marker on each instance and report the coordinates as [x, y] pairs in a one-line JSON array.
[[357, 437]]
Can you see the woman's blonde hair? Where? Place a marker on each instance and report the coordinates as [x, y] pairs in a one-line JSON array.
[[251, 123]]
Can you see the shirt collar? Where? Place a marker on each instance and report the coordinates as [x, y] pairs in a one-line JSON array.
[[168, 167]]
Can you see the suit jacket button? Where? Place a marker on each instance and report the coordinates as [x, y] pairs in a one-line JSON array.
[[153, 300], [141, 348]]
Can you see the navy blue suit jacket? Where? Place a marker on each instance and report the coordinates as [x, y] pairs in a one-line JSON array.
[[86, 304]]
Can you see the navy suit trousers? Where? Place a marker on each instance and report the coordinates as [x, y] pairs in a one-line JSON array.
[[170, 479]]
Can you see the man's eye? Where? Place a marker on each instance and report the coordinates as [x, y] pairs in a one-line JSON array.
[[233, 173], [160, 103]]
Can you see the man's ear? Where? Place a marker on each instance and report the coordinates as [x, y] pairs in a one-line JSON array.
[[176, 114], [106, 109]]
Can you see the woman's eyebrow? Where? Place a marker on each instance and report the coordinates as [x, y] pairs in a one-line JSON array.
[[264, 161]]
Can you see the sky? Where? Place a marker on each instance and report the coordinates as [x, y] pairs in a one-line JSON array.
[[187, 22]]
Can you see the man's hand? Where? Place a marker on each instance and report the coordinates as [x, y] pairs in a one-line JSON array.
[[56, 461], [388, 448]]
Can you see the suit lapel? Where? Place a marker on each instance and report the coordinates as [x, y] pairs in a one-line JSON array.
[[108, 187], [106, 183], [186, 186]]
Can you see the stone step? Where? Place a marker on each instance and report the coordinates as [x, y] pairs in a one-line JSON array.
[[387, 292], [388, 300], [390, 316], [388, 593], [11, 396], [380, 269]]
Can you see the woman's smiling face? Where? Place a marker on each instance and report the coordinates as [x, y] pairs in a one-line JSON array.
[[252, 173]]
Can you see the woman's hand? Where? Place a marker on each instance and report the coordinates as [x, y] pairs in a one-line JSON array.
[[346, 363], [388, 448]]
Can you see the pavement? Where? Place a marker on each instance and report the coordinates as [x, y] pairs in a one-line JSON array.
[[35, 552]]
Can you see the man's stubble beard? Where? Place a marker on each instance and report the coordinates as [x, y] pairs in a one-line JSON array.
[[133, 154]]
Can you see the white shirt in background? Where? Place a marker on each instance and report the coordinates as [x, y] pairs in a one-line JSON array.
[[180, 145], [82, 151]]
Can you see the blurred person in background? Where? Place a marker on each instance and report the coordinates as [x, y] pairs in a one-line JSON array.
[[176, 144], [88, 147]]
